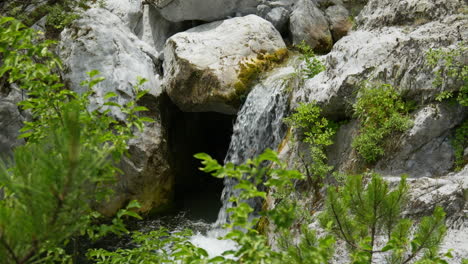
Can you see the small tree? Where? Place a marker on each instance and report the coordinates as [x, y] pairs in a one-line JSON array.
[[361, 214], [69, 157]]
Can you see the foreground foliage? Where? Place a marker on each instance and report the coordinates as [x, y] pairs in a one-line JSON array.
[[69, 157], [253, 246], [365, 215]]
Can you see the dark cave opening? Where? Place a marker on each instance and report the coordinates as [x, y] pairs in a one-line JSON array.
[[197, 193]]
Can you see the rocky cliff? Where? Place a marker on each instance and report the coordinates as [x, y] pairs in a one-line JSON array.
[[194, 55]]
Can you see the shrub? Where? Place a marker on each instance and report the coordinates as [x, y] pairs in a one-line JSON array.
[[253, 248], [460, 142], [360, 215], [317, 132], [69, 157], [381, 112], [313, 66], [452, 68]]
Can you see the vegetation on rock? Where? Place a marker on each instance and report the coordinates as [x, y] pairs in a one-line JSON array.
[[313, 66], [250, 70], [317, 132], [381, 113]]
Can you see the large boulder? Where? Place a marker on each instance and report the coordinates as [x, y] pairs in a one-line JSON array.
[[201, 65], [308, 23], [129, 11], [205, 10], [101, 40], [154, 29]]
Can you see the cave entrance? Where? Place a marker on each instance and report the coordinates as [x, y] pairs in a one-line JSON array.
[[198, 193]]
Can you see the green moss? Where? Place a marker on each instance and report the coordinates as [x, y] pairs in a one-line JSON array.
[[250, 70]]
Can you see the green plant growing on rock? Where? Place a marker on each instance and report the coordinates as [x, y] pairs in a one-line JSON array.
[[317, 132], [460, 143], [365, 216], [452, 68], [381, 113], [250, 70], [313, 66]]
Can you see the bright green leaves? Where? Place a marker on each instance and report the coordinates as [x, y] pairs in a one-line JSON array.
[[381, 113], [70, 156], [318, 132], [253, 247], [313, 66], [452, 68], [368, 210]]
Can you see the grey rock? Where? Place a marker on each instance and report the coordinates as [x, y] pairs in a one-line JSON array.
[[391, 55], [201, 65], [129, 11], [308, 23], [380, 13], [102, 41], [425, 151], [11, 121], [205, 10], [155, 29], [340, 22]]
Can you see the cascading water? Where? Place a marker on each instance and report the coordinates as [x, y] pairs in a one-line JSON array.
[[259, 126]]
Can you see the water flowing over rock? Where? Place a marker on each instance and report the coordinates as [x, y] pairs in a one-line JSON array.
[[102, 41], [201, 65], [259, 125], [205, 10]]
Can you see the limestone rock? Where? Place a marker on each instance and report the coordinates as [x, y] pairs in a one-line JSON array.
[[129, 11], [425, 151], [308, 23], [340, 23], [278, 16], [380, 13], [201, 65], [11, 121], [205, 10], [391, 55], [155, 29], [101, 40]]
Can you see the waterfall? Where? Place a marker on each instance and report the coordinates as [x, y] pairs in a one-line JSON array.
[[259, 126]]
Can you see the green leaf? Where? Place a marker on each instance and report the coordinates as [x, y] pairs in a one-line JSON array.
[[109, 95]]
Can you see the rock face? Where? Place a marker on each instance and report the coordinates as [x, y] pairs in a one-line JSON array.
[[396, 55], [309, 24], [11, 121], [99, 40], [202, 64], [154, 29], [205, 10], [102, 41]]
